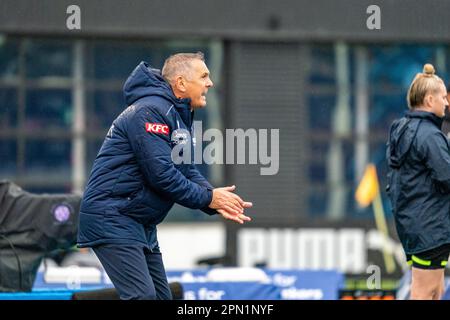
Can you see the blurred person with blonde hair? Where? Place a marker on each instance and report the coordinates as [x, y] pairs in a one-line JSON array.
[[418, 156]]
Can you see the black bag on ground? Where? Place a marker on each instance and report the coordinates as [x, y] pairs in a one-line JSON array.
[[31, 226]]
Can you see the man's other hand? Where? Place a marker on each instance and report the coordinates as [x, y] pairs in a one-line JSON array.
[[229, 204]]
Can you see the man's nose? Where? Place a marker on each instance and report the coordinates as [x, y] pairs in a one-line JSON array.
[[209, 84]]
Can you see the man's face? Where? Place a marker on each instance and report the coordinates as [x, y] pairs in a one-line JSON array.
[[440, 101], [448, 101], [197, 84]]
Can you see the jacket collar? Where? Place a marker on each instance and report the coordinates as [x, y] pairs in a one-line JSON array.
[[183, 107], [425, 115]]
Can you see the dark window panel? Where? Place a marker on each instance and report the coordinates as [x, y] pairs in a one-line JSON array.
[[446, 76], [48, 157], [317, 172], [112, 60], [321, 108], [48, 58], [92, 149], [396, 65], [47, 109], [385, 108], [9, 56], [8, 108], [317, 202], [102, 108], [116, 60], [8, 158], [322, 69], [349, 160]]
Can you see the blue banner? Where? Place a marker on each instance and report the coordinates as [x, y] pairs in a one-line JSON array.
[[281, 284], [198, 284]]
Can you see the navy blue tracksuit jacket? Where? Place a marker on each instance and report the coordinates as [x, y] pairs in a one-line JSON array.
[[418, 155], [134, 182]]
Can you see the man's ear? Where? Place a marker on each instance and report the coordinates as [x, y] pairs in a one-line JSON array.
[[180, 84]]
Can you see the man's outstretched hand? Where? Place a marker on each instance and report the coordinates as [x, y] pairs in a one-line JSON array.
[[229, 204]]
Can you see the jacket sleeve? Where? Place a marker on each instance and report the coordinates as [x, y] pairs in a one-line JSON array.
[[153, 152], [437, 159], [195, 176]]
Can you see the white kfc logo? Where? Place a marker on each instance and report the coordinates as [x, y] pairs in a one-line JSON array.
[[157, 128]]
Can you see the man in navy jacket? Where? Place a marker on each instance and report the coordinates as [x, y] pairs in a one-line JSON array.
[[134, 181]]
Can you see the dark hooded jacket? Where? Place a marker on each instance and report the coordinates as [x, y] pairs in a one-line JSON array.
[[134, 182], [418, 156]]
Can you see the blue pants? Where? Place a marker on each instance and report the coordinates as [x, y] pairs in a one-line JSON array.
[[135, 271]]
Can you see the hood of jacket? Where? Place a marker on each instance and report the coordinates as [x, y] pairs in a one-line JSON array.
[[146, 81], [403, 132]]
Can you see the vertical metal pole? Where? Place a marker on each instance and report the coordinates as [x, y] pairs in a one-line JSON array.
[[341, 128], [78, 125], [21, 103], [216, 173], [361, 115]]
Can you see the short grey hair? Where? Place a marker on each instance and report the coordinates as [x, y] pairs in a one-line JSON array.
[[179, 64]]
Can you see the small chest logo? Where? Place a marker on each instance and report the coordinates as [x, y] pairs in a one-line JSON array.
[[180, 136]]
